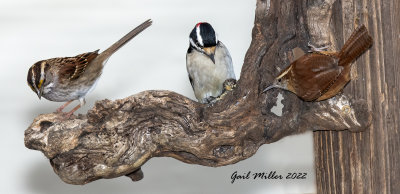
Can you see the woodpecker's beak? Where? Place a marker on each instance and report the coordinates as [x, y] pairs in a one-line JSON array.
[[210, 52]]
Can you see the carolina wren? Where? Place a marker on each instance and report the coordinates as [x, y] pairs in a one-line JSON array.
[[320, 75]]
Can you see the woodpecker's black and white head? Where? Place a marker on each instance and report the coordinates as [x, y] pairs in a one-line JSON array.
[[204, 39]]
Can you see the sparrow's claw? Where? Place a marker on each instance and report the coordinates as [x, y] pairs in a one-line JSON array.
[[59, 110]]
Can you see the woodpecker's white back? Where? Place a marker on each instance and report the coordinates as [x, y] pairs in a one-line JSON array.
[[206, 77]]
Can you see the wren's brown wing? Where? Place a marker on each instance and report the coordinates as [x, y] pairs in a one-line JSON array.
[[313, 74], [73, 67]]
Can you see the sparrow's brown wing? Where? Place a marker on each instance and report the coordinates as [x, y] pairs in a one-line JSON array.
[[73, 67], [313, 74]]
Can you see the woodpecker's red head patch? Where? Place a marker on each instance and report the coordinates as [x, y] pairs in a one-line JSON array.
[[203, 35]]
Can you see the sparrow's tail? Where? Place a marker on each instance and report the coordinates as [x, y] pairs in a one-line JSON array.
[[113, 48], [359, 42]]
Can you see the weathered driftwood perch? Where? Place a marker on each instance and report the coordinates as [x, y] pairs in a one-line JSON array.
[[116, 138]]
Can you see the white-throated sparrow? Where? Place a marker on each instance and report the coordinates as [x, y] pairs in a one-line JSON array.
[[66, 79]]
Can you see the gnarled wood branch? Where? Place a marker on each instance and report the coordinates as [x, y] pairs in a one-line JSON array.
[[116, 138]]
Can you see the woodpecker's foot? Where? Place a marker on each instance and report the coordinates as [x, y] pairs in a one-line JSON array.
[[228, 85], [211, 100], [220, 97]]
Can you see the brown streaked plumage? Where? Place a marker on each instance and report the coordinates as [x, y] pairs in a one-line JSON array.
[[66, 79], [321, 75], [73, 67]]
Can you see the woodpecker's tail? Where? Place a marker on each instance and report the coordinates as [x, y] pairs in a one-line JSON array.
[[117, 45], [357, 44]]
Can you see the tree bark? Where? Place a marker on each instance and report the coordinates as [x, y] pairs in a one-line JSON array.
[[116, 138], [367, 162]]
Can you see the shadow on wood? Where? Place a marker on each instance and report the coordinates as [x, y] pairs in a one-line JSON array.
[[116, 138]]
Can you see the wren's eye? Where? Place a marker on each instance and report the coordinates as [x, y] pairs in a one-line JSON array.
[[279, 80]]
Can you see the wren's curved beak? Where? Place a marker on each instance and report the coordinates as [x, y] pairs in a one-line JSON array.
[[210, 52], [269, 87], [274, 84]]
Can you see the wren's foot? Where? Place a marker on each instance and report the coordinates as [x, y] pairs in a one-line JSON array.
[[317, 49], [321, 50]]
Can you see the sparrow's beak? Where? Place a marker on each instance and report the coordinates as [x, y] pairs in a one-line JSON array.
[[210, 52], [39, 94]]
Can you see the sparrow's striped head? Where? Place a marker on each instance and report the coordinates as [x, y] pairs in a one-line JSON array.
[[204, 39], [37, 77]]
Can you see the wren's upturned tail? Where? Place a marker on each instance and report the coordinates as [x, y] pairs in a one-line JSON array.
[[359, 42], [321, 75]]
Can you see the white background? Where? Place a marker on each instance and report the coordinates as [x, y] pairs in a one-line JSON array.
[[31, 30]]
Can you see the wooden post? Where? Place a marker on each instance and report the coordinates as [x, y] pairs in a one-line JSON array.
[[115, 138], [366, 162]]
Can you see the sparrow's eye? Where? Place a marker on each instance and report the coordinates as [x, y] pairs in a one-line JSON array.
[[33, 89]]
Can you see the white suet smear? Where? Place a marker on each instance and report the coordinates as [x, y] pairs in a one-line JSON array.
[[277, 109]]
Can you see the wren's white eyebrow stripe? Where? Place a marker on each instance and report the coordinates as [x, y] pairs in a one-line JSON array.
[[199, 39]]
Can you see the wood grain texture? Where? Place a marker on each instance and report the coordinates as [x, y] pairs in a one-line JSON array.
[[116, 138], [367, 162]]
